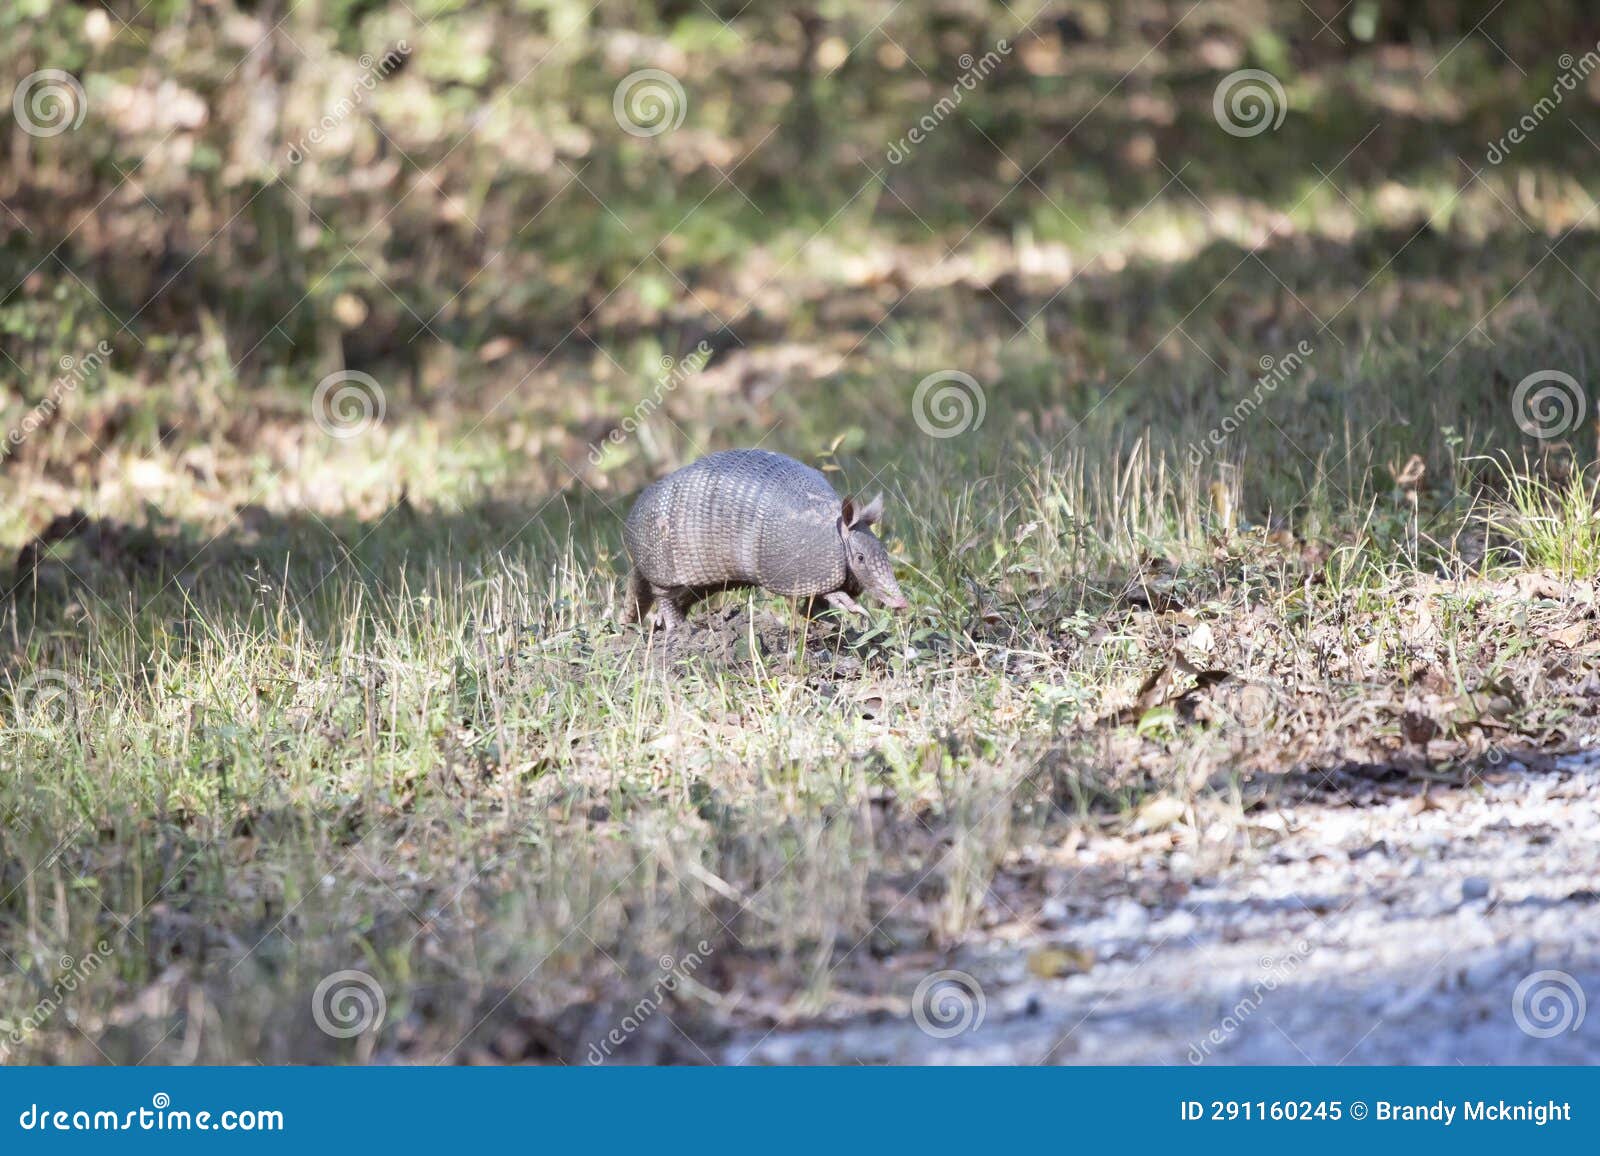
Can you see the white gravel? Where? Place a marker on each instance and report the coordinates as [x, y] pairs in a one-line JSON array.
[[1376, 933]]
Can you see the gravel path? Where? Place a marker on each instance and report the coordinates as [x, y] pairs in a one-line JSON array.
[[1384, 927]]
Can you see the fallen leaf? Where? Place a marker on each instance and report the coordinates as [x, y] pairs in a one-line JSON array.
[[1056, 962], [1156, 718], [1159, 813], [1570, 637]]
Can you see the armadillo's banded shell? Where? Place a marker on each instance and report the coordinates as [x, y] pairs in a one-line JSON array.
[[741, 516]]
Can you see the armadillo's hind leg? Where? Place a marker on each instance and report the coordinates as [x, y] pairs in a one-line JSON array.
[[636, 600], [671, 610]]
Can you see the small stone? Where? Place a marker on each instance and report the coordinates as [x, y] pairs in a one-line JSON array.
[[1128, 917], [1180, 924], [1474, 887]]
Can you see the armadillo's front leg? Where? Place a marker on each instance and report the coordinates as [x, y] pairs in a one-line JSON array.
[[839, 600]]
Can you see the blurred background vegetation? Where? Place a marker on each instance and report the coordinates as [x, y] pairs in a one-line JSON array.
[[472, 228]]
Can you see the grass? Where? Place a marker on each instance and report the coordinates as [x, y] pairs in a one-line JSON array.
[[277, 705], [452, 772], [1554, 521]]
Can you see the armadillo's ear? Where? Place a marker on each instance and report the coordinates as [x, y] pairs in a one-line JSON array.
[[870, 513], [847, 513]]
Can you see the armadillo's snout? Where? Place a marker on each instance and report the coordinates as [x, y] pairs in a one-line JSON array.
[[895, 601]]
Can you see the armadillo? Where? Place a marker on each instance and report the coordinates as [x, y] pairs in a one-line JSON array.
[[751, 518]]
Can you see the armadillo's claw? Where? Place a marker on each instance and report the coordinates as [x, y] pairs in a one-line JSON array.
[[668, 617], [839, 600]]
